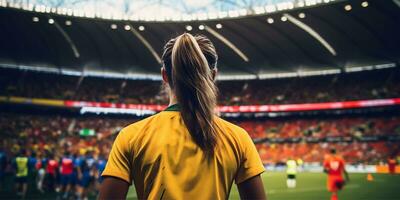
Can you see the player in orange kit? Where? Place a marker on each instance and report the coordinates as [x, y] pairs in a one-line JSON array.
[[392, 164], [334, 166]]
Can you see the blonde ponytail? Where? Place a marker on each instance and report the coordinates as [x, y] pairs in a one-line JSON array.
[[192, 81]]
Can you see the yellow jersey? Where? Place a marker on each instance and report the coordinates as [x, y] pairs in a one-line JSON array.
[[22, 166], [291, 167], [160, 156]]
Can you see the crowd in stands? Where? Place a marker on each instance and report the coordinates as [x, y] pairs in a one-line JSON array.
[[50, 142], [374, 84], [354, 153], [63, 154], [321, 128], [58, 134]]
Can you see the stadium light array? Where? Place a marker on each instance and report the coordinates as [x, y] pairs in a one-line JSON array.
[[202, 16]]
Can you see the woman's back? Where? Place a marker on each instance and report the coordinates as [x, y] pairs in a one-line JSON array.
[[164, 162]]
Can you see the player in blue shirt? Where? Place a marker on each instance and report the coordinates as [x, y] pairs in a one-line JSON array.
[[86, 170]]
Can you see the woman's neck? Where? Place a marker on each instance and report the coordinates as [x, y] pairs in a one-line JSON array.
[[172, 99]]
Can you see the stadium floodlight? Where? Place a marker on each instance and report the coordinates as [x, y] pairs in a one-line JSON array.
[[233, 13], [114, 26], [202, 16], [284, 18], [35, 19], [186, 17], [14, 5], [311, 2], [302, 15], [47, 9], [189, 28], [51, 21], [141, 28], [212, 15], [134, 18], [300, 4], [127, 27], [259, 10], [218, 26], [364, 4], [270, 20], [222, 14], [242, 12], [270, 8], [347, 7], [285, 6], [70, 12], [201, 27]]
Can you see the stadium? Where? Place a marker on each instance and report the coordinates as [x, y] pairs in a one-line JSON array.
[[300, 76]]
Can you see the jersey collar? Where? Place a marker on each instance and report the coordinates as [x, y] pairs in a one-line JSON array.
[[174, 107]]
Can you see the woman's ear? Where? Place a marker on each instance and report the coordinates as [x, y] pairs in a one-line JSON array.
[[164, 75]]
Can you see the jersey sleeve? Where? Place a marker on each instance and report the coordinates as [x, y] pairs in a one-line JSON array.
[[119, 161], [251, 164]]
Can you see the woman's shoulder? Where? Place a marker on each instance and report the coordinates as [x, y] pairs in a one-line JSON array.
[[230, 128], [135, 126]]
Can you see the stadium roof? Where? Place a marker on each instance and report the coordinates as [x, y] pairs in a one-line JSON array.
[[324, 38]]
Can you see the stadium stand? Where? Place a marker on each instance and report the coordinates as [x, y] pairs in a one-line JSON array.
[[41, 133], [378, 84]]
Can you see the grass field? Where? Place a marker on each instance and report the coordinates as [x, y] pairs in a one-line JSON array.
[[312, 186]]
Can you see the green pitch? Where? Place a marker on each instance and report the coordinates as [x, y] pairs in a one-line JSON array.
[[312, 186]]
